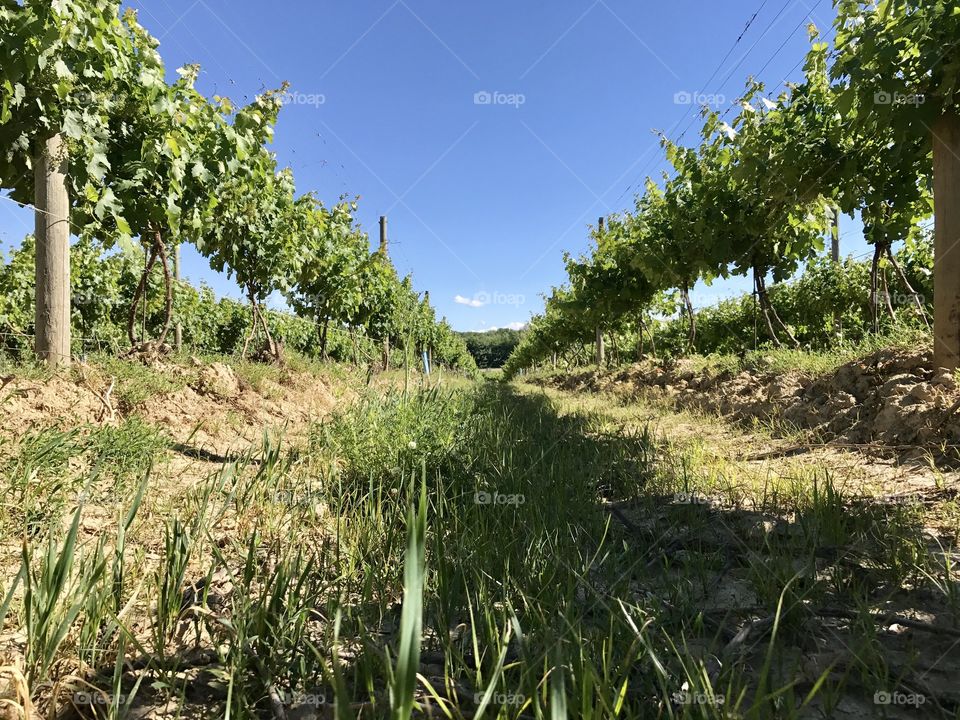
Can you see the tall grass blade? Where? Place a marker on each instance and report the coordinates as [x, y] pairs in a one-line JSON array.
[[411, 617], [558, 690]]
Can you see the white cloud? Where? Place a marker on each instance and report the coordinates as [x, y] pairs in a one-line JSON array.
[[509, 326], [472, 302]]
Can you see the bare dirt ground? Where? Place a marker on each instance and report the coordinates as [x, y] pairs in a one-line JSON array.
[[758, 449], [211, 404]]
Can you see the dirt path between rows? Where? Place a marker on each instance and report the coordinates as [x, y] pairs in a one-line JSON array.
[[871, 469], [743, 513]]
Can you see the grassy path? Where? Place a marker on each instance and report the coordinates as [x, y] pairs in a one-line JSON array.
[[582, 559]]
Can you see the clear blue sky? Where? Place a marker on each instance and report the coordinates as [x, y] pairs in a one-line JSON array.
[[483, 197]]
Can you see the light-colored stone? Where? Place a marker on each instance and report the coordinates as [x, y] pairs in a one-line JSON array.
[[784, 387], [945, 379], [219, 379], [897, 385], [923, 392]]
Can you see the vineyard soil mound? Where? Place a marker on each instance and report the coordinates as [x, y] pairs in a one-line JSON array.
[[212, 404], [891, 397]]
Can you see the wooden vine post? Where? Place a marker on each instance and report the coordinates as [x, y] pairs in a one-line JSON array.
[[384, 253], [52, 229], [946, 268], [600, 349], [835, 257], [178, 327]]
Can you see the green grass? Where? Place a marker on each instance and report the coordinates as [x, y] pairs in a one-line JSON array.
[[125, 452], [47, 471], [780, 360], [28, 370], [136, 383], [808, 362], [453, 547], [38, 477]]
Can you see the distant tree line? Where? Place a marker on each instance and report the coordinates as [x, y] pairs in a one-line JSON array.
[[491, 349]]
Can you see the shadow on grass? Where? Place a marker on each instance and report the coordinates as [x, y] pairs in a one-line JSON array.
[[567, 565]]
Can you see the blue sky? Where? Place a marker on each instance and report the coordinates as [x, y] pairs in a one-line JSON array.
[[492, 134]]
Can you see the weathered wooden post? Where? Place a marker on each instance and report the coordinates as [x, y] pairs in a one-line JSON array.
[[52, 230]]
